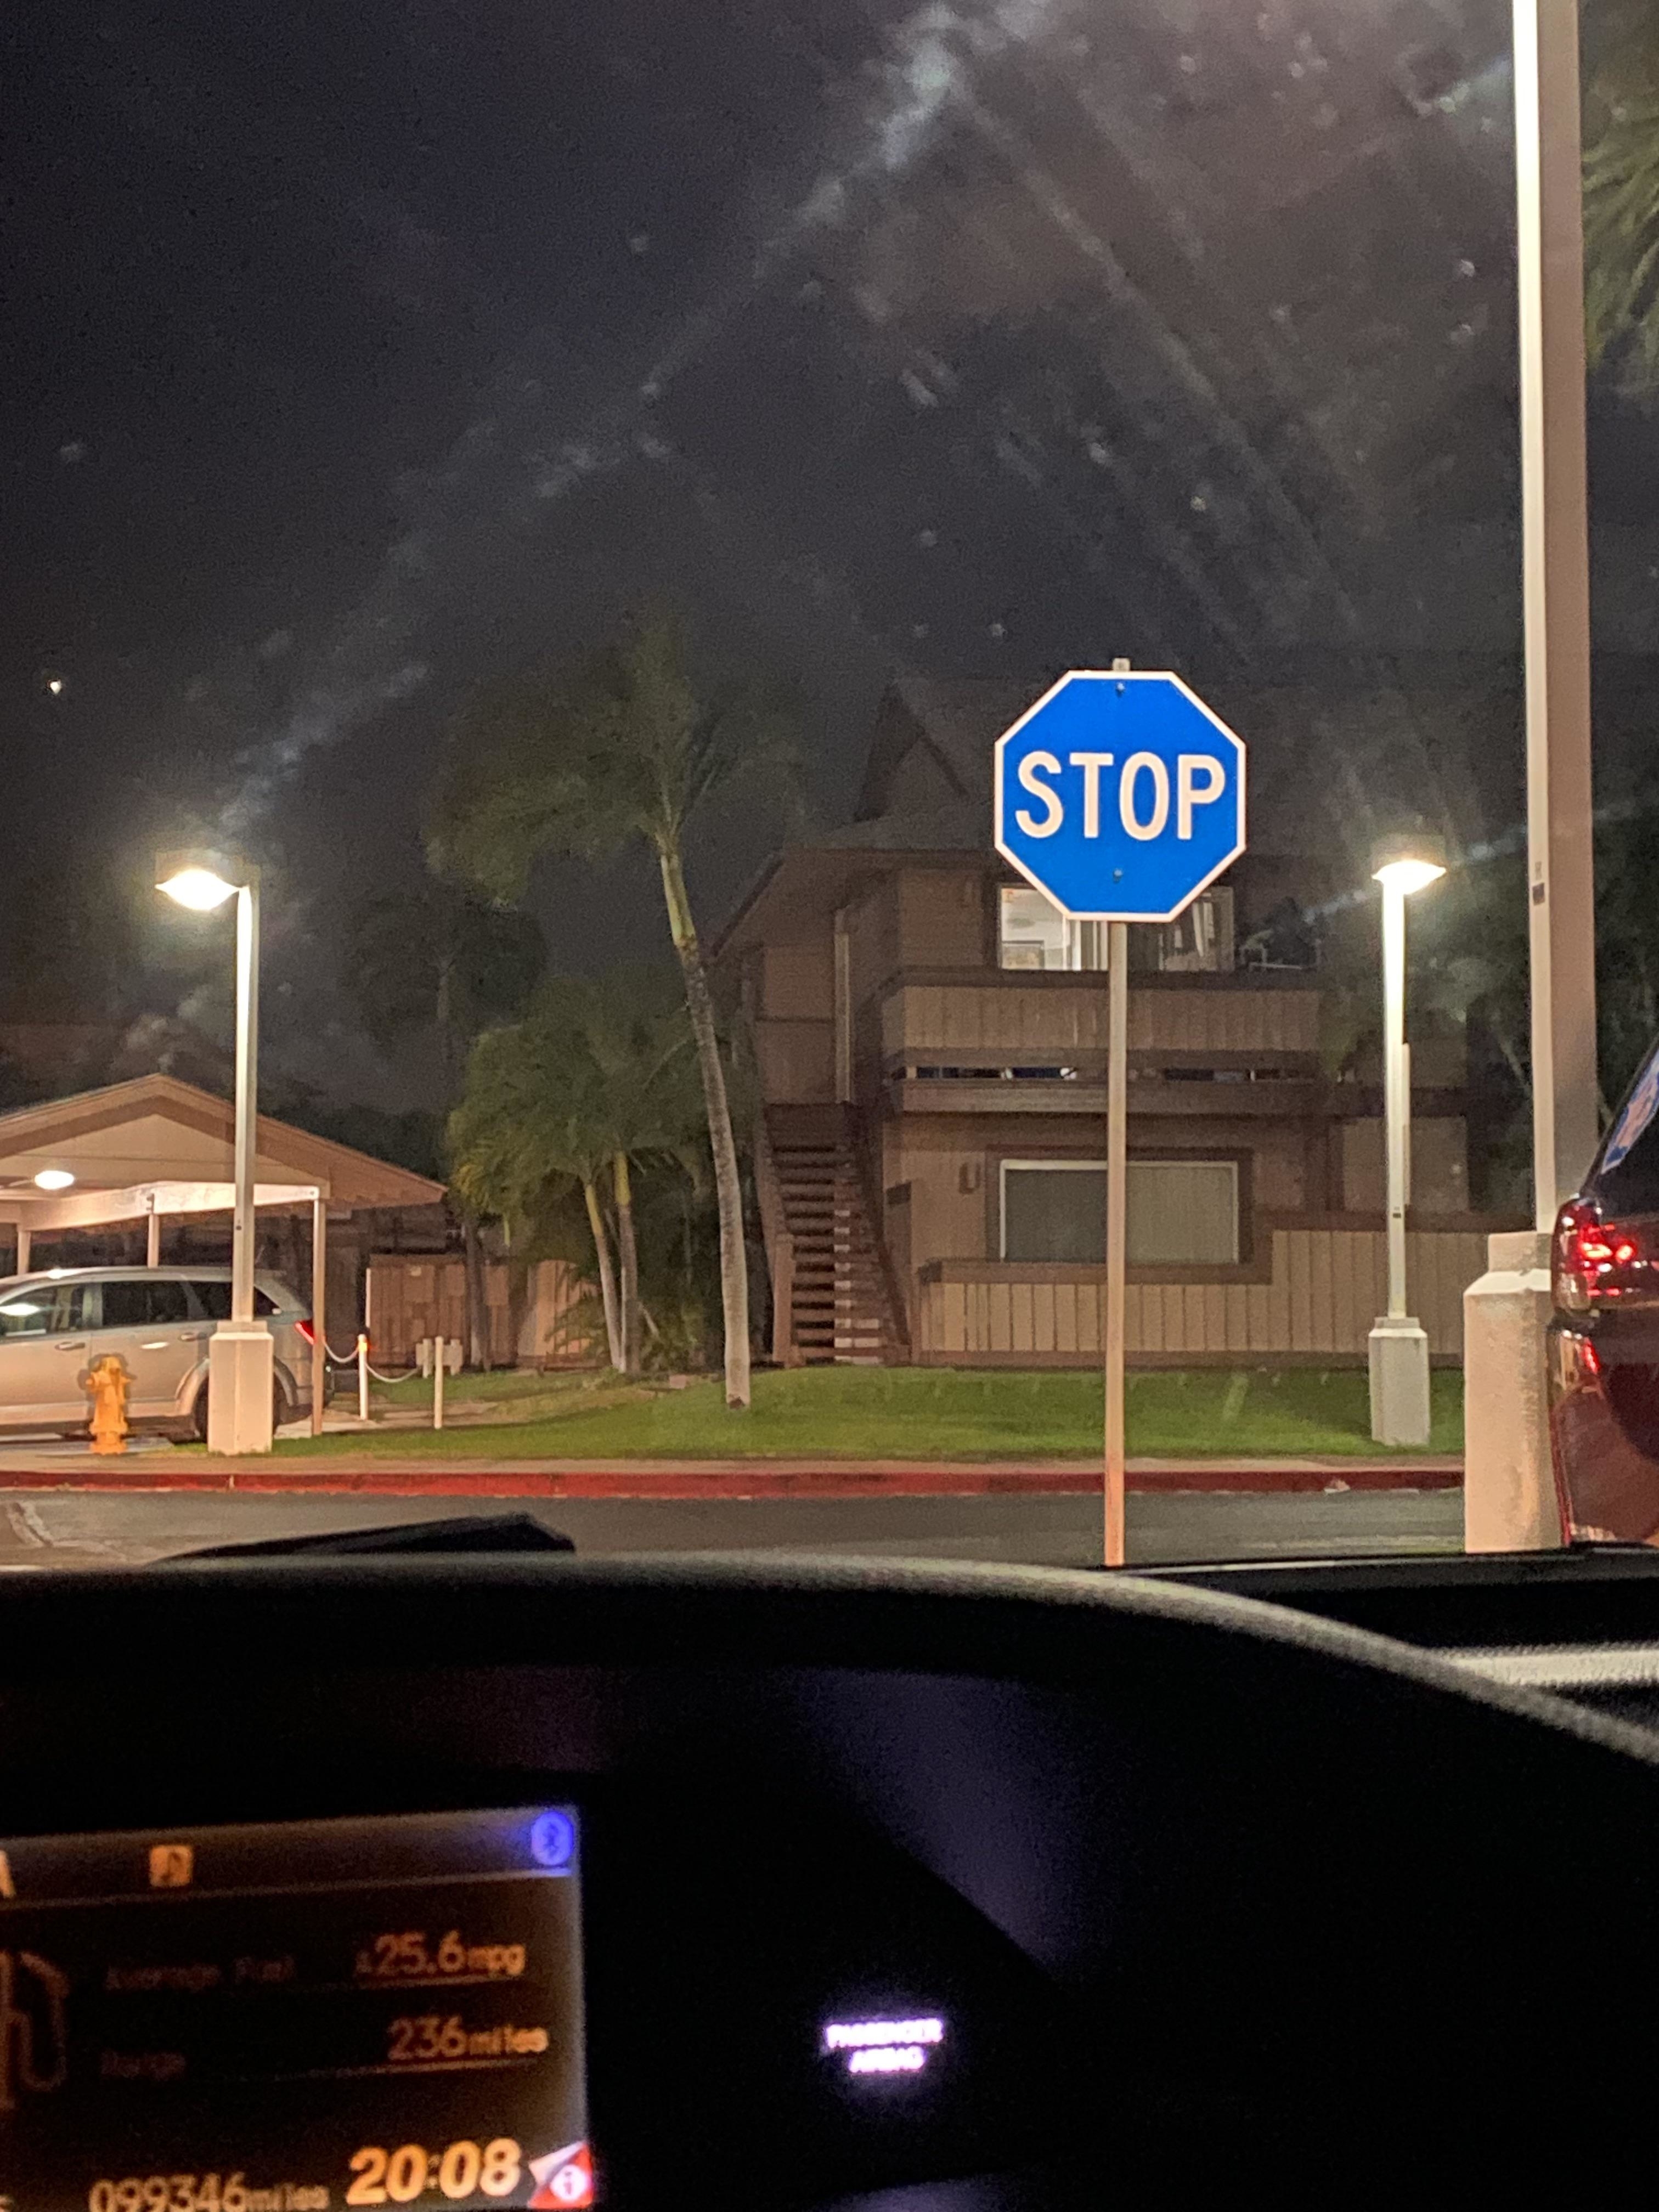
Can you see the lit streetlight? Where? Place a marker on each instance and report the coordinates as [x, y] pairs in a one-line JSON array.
[[240, 1359], [1398, 1348]]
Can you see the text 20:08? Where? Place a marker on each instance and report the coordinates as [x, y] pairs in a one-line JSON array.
[[461, 2172]]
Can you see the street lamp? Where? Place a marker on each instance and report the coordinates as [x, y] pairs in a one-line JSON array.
[[1398, 1346], [240, 1361]]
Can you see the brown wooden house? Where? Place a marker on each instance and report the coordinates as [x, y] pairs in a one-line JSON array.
[[930, 1041]]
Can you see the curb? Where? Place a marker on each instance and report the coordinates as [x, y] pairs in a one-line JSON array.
[[760, 1481]]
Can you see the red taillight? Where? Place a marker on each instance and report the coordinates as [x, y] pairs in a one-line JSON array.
[[307, 1331], [1591, 1258]]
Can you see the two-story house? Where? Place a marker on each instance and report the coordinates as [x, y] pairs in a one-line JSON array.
[[930, 1038]]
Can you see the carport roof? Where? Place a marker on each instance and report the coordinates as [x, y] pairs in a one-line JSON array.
[[156, 1130]]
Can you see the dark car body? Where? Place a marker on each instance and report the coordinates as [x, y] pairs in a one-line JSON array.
[[1604, 1332]]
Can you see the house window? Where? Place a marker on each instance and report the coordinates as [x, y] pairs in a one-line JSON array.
[[1033, 934], [1198, 942], [1182, 1213]]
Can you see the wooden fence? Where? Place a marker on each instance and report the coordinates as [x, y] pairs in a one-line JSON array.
[[533, 1322], [1322, 1291]]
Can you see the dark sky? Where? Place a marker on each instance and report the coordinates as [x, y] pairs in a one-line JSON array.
[[352, 354]]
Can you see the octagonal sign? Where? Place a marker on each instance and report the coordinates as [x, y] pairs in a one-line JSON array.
[[1120, 795]]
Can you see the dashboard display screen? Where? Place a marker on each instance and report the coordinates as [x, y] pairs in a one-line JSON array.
[[295, 2018]]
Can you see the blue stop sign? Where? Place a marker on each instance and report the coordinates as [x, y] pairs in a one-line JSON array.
[[1119, 796]]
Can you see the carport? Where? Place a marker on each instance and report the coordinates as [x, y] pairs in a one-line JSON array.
[[155, 1149]]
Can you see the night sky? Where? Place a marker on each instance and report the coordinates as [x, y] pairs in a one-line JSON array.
[[352, 355]]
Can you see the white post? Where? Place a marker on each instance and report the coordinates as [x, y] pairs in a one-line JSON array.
[[1508, 1489], [240, 1353], [1555, 537], [1398, 1346], [247, 1100], [1117, 1216], [362, 1375], [319, 1310], [152, 1235], [25, 1240], [437, 1382], [1396, 1098]]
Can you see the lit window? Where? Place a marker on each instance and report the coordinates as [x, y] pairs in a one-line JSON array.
[[1034, 934]]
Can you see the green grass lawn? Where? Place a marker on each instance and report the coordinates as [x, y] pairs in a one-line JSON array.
[[894, 1413]]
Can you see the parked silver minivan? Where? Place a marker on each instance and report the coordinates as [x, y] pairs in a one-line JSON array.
[[54, 1324]]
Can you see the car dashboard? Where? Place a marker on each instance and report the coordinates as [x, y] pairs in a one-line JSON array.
[[559, 1882]]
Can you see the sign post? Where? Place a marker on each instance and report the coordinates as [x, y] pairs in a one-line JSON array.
[[1119, 796], [1117, 1237]]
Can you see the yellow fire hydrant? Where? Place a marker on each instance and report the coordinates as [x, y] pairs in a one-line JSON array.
[[109, 1384]]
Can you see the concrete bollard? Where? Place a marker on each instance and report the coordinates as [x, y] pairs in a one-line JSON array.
[[1510, 1502], [241, 1377], [1397, 1350]]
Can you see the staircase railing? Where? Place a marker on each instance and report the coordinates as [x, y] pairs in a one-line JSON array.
[[775, 1222]]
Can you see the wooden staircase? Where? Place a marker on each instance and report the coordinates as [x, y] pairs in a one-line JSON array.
[[842, 1309]]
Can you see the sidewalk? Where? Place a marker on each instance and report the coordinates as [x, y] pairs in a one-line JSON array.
[[161, 1470]]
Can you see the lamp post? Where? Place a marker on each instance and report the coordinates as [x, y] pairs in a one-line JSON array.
[[241, 1359], [1398, 1346]]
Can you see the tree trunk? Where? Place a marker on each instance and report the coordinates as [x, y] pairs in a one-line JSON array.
[[607, 1278], [477, 1303], [629, 1252], [728, 1190], [452, 1048]]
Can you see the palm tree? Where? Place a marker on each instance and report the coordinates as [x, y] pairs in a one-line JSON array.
[[531, 1119], [593, 1081], [628, 747], [442, 958], [639, 1048], [1621, 194]]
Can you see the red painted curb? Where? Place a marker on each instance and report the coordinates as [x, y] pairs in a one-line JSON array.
[[829, 1482]]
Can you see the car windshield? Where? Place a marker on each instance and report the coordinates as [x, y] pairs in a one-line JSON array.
[[636, 639]]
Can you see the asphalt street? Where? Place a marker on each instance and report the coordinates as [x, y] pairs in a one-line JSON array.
[[46, 1528]]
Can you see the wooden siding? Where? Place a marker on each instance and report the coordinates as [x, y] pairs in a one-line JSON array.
[[1047, 1095], [941, 919], [1325, 1289], [797, 1061], [992, 1019], [795, 980], [417, 1294], [872, 939]]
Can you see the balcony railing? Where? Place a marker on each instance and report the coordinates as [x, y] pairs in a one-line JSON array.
[[995, 1020]]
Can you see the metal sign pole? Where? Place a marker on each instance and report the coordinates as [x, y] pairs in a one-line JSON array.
[[1117, 1212]]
